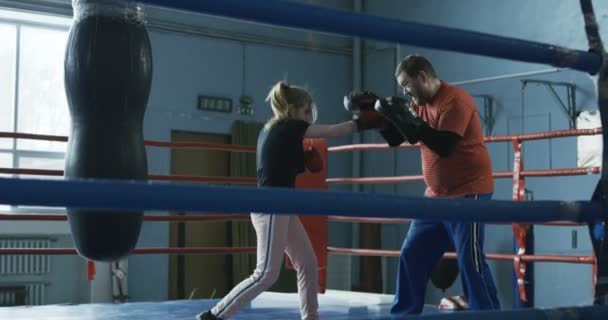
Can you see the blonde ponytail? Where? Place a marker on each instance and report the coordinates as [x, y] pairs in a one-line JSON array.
[[285, 99]]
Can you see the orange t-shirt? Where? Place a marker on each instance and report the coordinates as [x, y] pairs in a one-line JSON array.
[[468, 169]]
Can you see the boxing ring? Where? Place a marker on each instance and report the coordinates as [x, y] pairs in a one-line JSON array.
[[198, 194]]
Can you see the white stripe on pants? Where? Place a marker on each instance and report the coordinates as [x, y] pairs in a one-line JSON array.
[[277, 235]]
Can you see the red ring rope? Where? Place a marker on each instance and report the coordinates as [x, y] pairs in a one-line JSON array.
[[157, 177], [452, 255], [518, 175]]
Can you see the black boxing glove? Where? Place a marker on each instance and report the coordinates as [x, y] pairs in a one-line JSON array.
[[398, 112], [360, 101], [392, 136]]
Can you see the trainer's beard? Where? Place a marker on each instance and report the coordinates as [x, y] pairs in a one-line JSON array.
[[419, 100]]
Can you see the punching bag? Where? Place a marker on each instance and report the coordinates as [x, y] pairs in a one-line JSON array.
[[445, 273], [108, 74]]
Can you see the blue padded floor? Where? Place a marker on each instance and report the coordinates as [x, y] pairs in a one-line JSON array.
[[276, 306]]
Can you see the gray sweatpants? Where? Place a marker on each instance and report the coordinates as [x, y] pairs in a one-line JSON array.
[[277, 235]]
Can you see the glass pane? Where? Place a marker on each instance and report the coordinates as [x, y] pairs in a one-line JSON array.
[[42, 106], [6, 161], [41, 164], [8, 49]]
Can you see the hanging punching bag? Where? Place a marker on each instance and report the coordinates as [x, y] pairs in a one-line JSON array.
[[108, 74], [445, 273]]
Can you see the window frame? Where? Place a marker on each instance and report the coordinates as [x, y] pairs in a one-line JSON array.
[[33, 20]]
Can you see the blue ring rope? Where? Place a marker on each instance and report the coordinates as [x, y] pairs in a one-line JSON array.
[[303, 16], [137, 195]]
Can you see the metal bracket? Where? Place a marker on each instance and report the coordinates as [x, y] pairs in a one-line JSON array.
[[488, 118], [568, 106]]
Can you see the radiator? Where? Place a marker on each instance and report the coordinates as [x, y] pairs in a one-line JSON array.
[[24, 264], [28, 294], [13, 267], [35, 294]]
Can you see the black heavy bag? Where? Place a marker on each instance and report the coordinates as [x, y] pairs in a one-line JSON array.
[[445, 272], [108, 73]]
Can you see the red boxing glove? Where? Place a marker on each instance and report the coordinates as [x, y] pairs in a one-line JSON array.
[[366, 120], [313, 161], [361, 104]]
